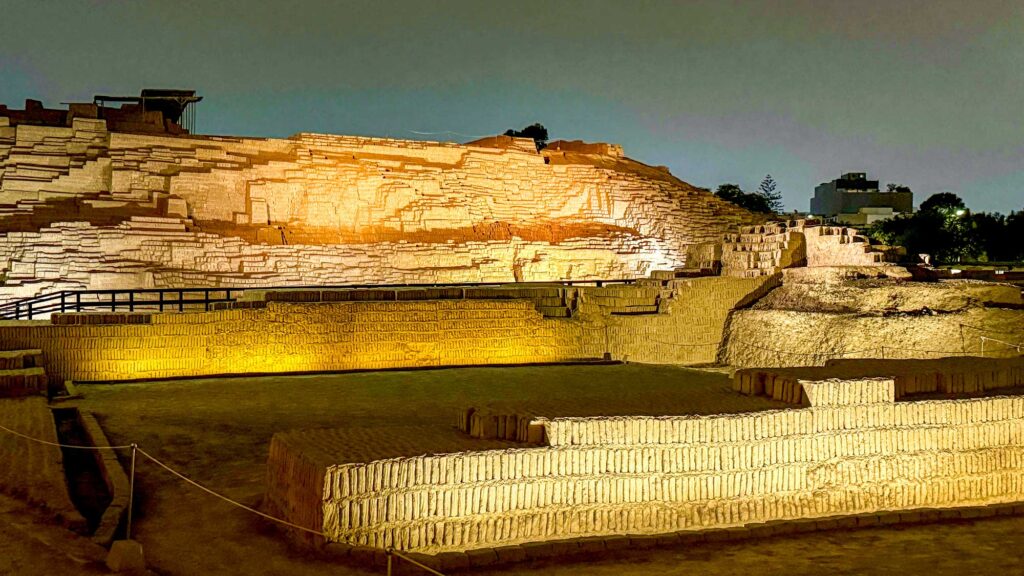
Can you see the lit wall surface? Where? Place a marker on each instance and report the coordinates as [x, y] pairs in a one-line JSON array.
[[677, 321], [854, 450], [86, 208]]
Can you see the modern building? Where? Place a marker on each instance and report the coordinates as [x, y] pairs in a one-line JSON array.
[[855, 200]]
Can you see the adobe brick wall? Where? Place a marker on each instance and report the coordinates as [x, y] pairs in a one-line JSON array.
[[297, 337], [859, 452]]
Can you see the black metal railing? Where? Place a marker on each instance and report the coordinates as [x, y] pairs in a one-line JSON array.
[[182, 299], [142, 299]]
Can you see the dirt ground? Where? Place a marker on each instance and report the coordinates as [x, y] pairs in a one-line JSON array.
[[32, 545], [218, 430]]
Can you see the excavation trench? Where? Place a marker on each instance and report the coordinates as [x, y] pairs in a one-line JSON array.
[[86, 485]]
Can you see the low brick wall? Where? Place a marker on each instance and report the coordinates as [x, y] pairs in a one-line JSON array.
[[298, 337], [672, 321], [856, 451], [963, 375]]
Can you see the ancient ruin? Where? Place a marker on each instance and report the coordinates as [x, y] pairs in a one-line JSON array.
[[859, 384]]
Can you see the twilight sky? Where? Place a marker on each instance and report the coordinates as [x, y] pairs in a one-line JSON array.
[[928, 93]]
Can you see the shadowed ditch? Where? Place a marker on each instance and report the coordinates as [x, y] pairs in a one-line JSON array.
[[89, 491]]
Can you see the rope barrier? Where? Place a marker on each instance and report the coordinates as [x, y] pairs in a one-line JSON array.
[[159, 463], [59, 445], [962, 325], [392, 552], [1008, 344], [225, 498]]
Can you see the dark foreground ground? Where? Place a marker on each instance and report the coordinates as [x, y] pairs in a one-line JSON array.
[[218, 430]]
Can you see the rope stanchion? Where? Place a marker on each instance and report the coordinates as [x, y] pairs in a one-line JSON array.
[[131, 495]]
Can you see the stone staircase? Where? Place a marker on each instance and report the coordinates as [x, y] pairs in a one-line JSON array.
[[765, 249], [22, 373], [759, 250], [842, 246]]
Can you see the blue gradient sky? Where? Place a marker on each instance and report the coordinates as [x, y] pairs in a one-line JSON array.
[[926, 93]]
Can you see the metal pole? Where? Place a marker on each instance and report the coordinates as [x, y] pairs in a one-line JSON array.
[[131, 495], [389, 561]]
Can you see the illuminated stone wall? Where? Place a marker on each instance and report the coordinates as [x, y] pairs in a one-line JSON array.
[[689, 328], [295, 337], [854, 451], [673, 321], [820, 314], [313, 209], [139, 254], [797, 338]]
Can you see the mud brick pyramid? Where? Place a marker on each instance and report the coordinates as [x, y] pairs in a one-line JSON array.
[[82, 207]]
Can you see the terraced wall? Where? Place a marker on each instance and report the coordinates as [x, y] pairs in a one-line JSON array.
[[854, 450]]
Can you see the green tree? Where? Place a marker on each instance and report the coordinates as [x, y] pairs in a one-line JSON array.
[[989, 235], [773, 197], [945, 229], [733, 193], [1015, 233], [945, 202], [537, 131]]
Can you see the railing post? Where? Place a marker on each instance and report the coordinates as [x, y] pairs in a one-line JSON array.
[[161, 293], [17, 310], [63, 295], [206, 299], [29, 317], [131, 301], [78, 301], [131, 496], [113, 301], [181, 300]]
